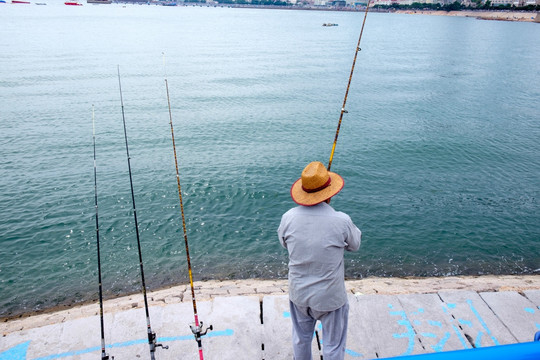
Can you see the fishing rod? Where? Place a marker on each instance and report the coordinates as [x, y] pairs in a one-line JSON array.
[[104, 355], [151, 334], [197, 328], [343, 111]]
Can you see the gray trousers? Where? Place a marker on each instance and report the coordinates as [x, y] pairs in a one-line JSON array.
[[334, 331]]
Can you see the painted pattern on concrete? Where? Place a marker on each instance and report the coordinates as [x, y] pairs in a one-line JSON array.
[[401, 325], [19, 352]]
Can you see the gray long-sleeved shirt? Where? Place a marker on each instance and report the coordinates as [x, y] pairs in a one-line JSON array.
[[316, 237]]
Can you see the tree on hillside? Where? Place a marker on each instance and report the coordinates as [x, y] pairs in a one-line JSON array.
[[455, 6]]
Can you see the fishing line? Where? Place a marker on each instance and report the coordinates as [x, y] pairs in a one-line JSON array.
[[343, 111], [198, 326], [151, 334], [104, 355]]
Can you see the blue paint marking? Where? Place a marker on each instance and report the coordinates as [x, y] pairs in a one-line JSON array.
[[347, 351], [319, 325], [430, 335], [529, 310], [353, 353], [69, 354], [15, 353], [478, 341], [458, 333], [460, 336], [435, 323], [177, 338], [417, 322], [482, 322], [227, 332], [286, 314], [126, 343], [409, 334], [19, 352], [440, 345], [420, 311]]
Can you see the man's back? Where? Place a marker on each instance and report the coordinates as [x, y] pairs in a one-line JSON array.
[[316, 237]]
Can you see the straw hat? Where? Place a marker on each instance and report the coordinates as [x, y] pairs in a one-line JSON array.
[[316, 185]]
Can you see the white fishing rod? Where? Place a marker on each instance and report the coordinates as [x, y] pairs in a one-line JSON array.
[[104, 355]]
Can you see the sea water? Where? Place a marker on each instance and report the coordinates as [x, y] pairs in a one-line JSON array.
[[439, 149]]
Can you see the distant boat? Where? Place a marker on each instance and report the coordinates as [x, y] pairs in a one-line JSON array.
[[74, 3], [99, 1], [329, 24], [19, 2], [168, 4]]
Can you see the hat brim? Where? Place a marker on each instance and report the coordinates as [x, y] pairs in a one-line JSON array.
[[304, 198]]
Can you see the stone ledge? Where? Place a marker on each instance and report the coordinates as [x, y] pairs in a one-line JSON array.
[[208, 290]]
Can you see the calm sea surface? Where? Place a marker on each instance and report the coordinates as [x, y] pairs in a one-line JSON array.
[[440, 150]]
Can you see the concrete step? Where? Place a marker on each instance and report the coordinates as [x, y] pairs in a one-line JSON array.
[[259, 327]]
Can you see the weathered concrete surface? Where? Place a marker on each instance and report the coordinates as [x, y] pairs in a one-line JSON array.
[[251, 320]]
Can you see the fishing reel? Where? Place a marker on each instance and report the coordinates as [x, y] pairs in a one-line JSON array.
[[197, 330], [152, 342]]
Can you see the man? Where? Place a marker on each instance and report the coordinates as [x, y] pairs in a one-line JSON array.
[[315, 235]]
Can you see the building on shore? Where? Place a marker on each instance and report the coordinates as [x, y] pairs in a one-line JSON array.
[[410, 2], [494, 3], [335, 4], [517, 3]]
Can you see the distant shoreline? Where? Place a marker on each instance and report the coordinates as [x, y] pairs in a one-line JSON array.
[[523, 16], [501, 15]]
